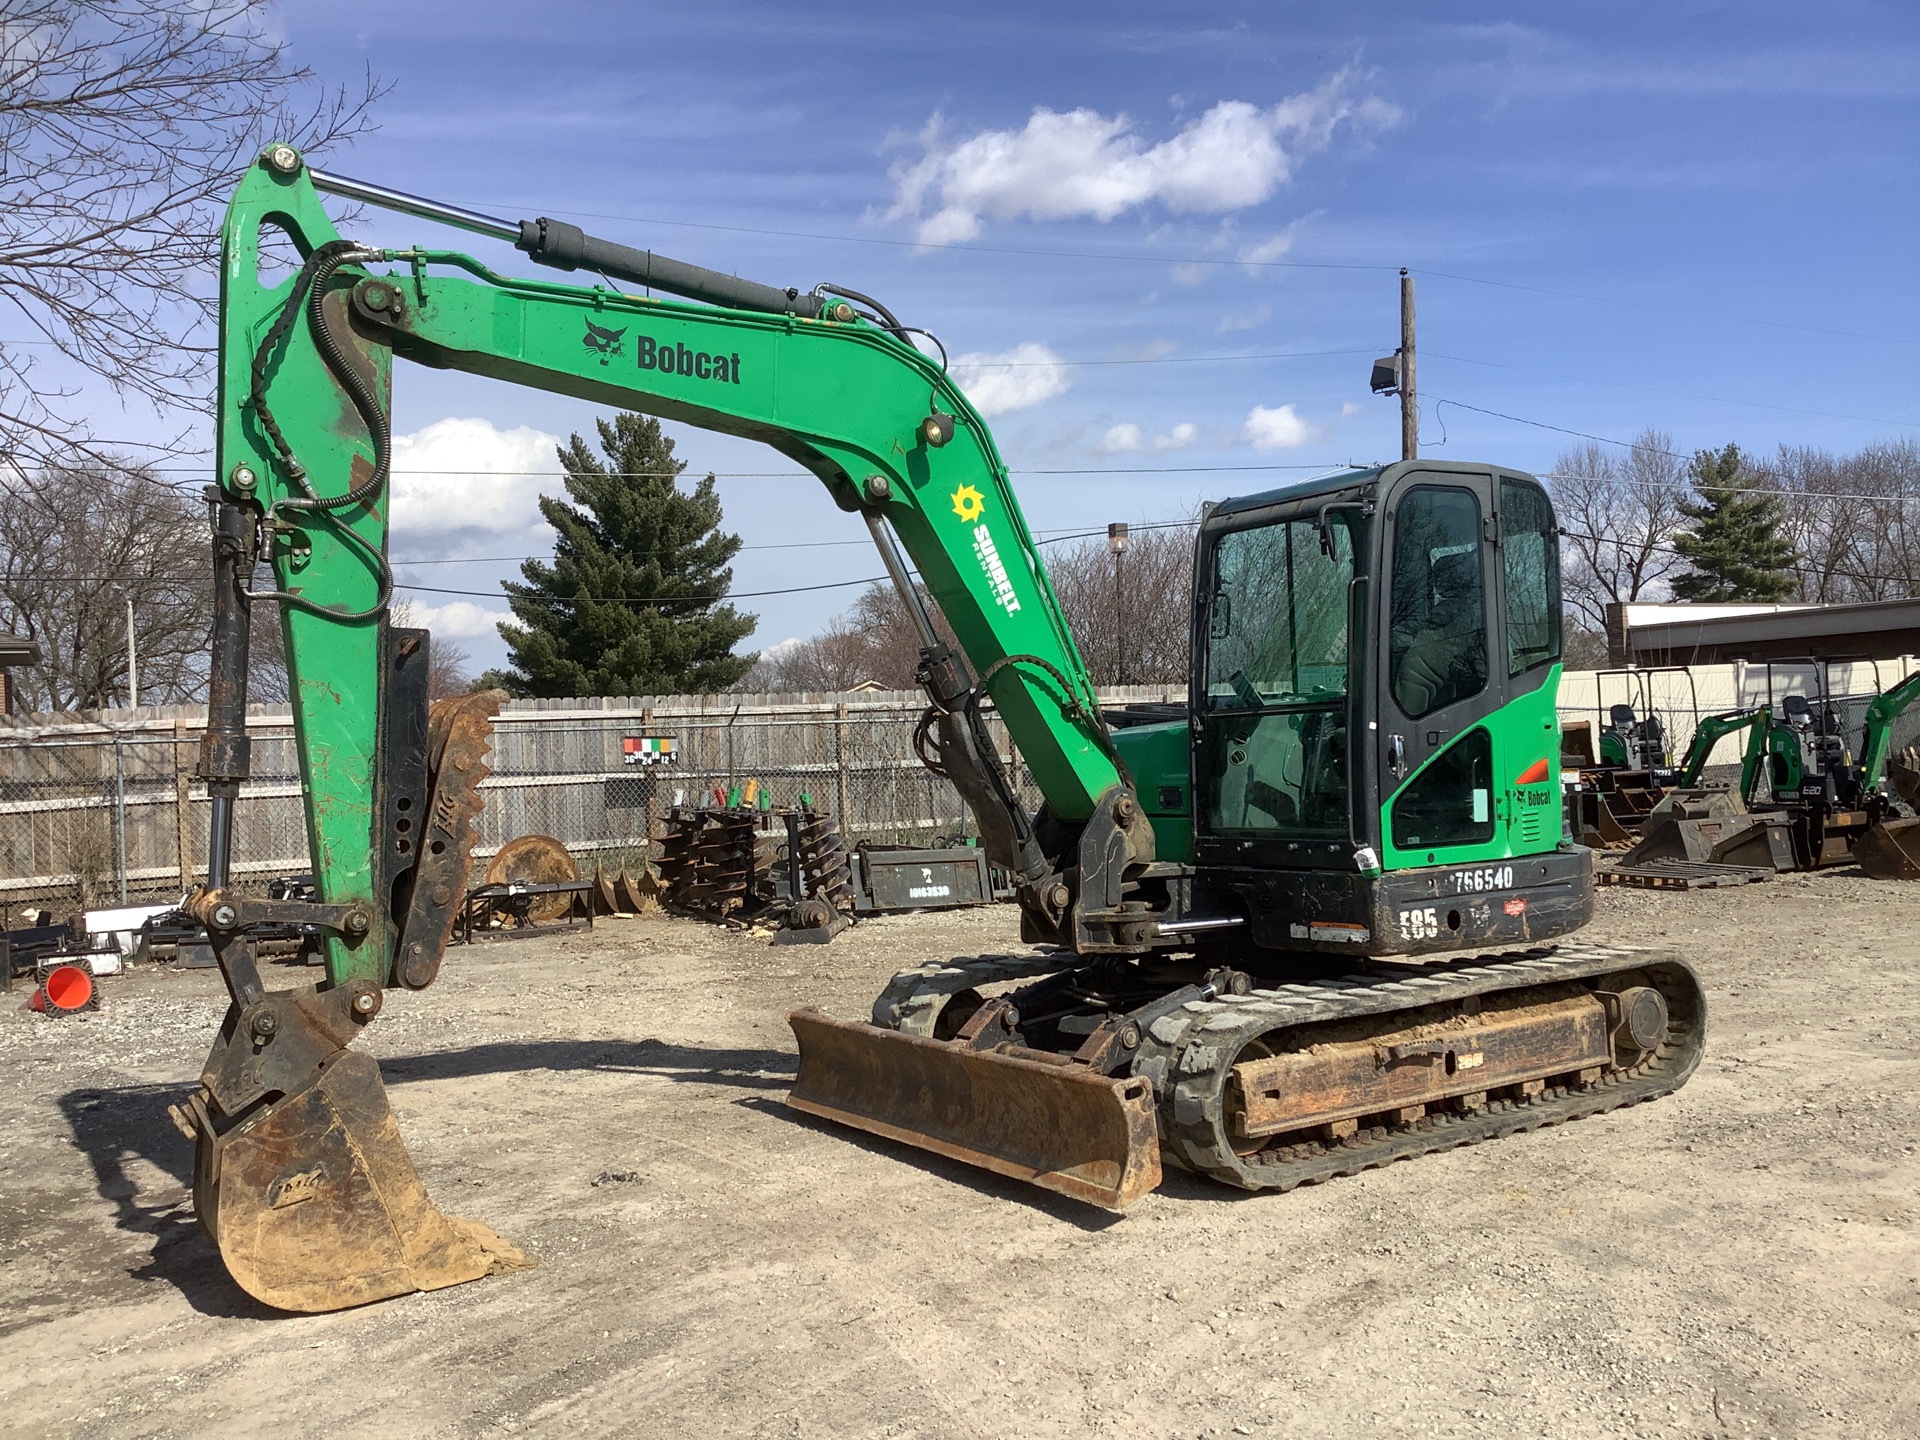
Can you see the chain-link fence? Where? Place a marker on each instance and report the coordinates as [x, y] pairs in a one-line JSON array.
[[96, 815]]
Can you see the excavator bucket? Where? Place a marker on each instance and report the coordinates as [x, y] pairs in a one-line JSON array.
[[1890, 850], [316, 1206], [1062, 1127]]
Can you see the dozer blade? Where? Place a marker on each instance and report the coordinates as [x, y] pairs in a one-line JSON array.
[[1890, 850], [316, 1206], [1061, 1127]]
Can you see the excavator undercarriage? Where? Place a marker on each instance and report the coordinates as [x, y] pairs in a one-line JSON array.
[[1260, 1088]]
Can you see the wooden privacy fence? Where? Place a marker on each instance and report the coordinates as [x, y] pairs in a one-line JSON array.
[[101, 806], [97, 809]]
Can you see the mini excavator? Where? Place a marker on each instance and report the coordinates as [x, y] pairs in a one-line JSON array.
[[1315, 925]]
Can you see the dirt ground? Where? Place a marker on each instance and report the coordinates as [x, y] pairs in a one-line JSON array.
[[1737, 1260]]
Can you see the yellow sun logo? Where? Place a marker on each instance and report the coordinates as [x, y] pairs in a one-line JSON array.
[[968, 503]]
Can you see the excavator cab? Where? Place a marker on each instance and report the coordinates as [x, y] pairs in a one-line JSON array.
[[1374, 737]]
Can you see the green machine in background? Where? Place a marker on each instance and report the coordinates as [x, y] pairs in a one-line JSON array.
[[1306, 929]]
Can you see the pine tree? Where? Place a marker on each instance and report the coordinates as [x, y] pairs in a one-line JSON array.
[[1735, 547], [588, 624]]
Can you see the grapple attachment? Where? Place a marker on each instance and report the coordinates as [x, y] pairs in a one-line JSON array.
[[316, 1206], [1015, 1112], [1890, 850]]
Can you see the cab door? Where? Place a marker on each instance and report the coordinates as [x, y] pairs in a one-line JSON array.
[[1437, 683]]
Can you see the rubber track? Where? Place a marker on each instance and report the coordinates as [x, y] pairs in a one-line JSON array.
[[1188, 1055]]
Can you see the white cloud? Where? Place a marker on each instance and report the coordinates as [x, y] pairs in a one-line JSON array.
[[1250, 319], [1127, 437], [1351, 409], [456, 620], [1016, 379], [1278, 428], [1268, 251], [1192, 272], [465, 487], [1085, 165]]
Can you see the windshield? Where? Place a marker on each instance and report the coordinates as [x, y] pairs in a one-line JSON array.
[[1278, 632]]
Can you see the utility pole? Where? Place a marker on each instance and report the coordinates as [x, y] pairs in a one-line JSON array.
[[1409, 408], [133, 666], [1117, 543]]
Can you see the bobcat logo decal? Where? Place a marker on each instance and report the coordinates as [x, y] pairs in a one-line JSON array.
[[604, 342]]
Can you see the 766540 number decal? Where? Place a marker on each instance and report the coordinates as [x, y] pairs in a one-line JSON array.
[[1481, 879]]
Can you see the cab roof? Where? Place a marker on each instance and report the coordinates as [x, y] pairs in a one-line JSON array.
[[1351, 479]]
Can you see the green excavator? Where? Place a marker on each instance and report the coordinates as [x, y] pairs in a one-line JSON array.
[[1313, 926]]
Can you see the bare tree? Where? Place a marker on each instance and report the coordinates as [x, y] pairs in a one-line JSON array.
[[1617, 518], [75, 548], [1132, 621], [123, 125], [875, 641], [1854, 520]]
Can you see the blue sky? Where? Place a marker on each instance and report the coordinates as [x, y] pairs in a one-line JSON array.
[[1696, 216]]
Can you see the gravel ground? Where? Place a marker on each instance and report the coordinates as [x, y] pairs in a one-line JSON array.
[[1739, 1259]]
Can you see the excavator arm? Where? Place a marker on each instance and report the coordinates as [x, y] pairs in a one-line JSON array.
[[1881, 714], [301, 1178], [1715, 728]]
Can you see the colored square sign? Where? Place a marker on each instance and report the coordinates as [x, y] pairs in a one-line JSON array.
[[648, 749]]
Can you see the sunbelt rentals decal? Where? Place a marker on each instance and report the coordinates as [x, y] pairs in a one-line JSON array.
[[970, 505]]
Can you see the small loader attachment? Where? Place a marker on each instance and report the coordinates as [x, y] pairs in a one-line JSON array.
[[1890, 850], [1018, 1112]]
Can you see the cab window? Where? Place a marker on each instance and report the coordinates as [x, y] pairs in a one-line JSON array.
[[1530, 554], [1437, 646], [1276, 727], [1279, 615]]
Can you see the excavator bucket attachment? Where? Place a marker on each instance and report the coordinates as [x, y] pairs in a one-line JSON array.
[[1059, 1126], [316, 1206], [300, 1175], [1890, 850]]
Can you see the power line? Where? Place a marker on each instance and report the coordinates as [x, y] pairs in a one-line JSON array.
[[656, 599], [1220, 261], [1676, 394]]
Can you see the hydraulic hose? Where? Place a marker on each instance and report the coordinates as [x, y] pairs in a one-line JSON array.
[[309, 293]]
